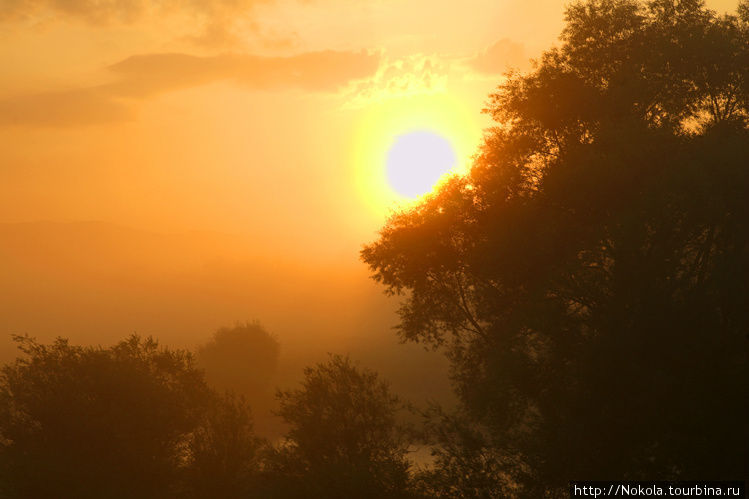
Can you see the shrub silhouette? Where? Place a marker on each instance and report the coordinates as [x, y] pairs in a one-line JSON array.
[[343, 439]]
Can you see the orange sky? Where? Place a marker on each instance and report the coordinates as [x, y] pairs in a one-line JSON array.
[[260, 118], [176, 169]]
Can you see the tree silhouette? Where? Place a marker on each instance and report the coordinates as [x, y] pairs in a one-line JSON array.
[[465, 462], [343, 439], [241, 359], [587, 277], [95, 422], [133, 420], [225, 453]]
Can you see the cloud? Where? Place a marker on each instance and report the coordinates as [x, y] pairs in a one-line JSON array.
[[403, 77], [421, 74], [499, 57], [91, 11], [143, 76], [216, 22]]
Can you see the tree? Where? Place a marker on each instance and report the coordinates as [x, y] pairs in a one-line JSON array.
[[465, 462], [225, 454], [97, 422], [343, 439], [241, 359], [133, 420], [586, 277]]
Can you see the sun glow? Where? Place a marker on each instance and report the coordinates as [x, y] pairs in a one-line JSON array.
[[402, 147]]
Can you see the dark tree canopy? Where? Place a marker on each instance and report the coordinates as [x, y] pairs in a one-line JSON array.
[[133, 420], [224, 452], [138, 420], [343, 440], [588, 277], [97, 422]]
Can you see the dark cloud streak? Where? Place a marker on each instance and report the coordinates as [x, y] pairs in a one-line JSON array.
[[65, 108], [315, 71], [144, 76]]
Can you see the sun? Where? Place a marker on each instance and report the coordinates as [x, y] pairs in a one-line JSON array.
[[402, 148], [417, 160]]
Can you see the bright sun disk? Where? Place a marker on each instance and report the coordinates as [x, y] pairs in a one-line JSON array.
[[416, 161]]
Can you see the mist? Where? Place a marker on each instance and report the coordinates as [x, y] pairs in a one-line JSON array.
[[98, 282]]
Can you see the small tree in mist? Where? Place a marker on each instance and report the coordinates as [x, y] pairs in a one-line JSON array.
[[343, 440], [242, 359]]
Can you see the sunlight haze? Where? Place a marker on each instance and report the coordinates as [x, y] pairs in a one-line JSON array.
[[373, 249], [170, 168]]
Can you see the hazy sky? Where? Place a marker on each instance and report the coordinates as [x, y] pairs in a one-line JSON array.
[[268, 119], [234, 155]]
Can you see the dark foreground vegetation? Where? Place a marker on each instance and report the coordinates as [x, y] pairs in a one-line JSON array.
[[588, 281], [139, 421]]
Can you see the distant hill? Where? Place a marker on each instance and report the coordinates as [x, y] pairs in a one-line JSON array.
[[86, 278]]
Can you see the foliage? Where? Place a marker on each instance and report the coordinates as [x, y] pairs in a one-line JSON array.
[[465, 463], [586, 277], [225, 454], [95, 422], [343, 439], [136, 420]]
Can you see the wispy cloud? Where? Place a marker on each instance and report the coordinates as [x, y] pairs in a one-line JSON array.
[[421, 74], [401, 77]]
